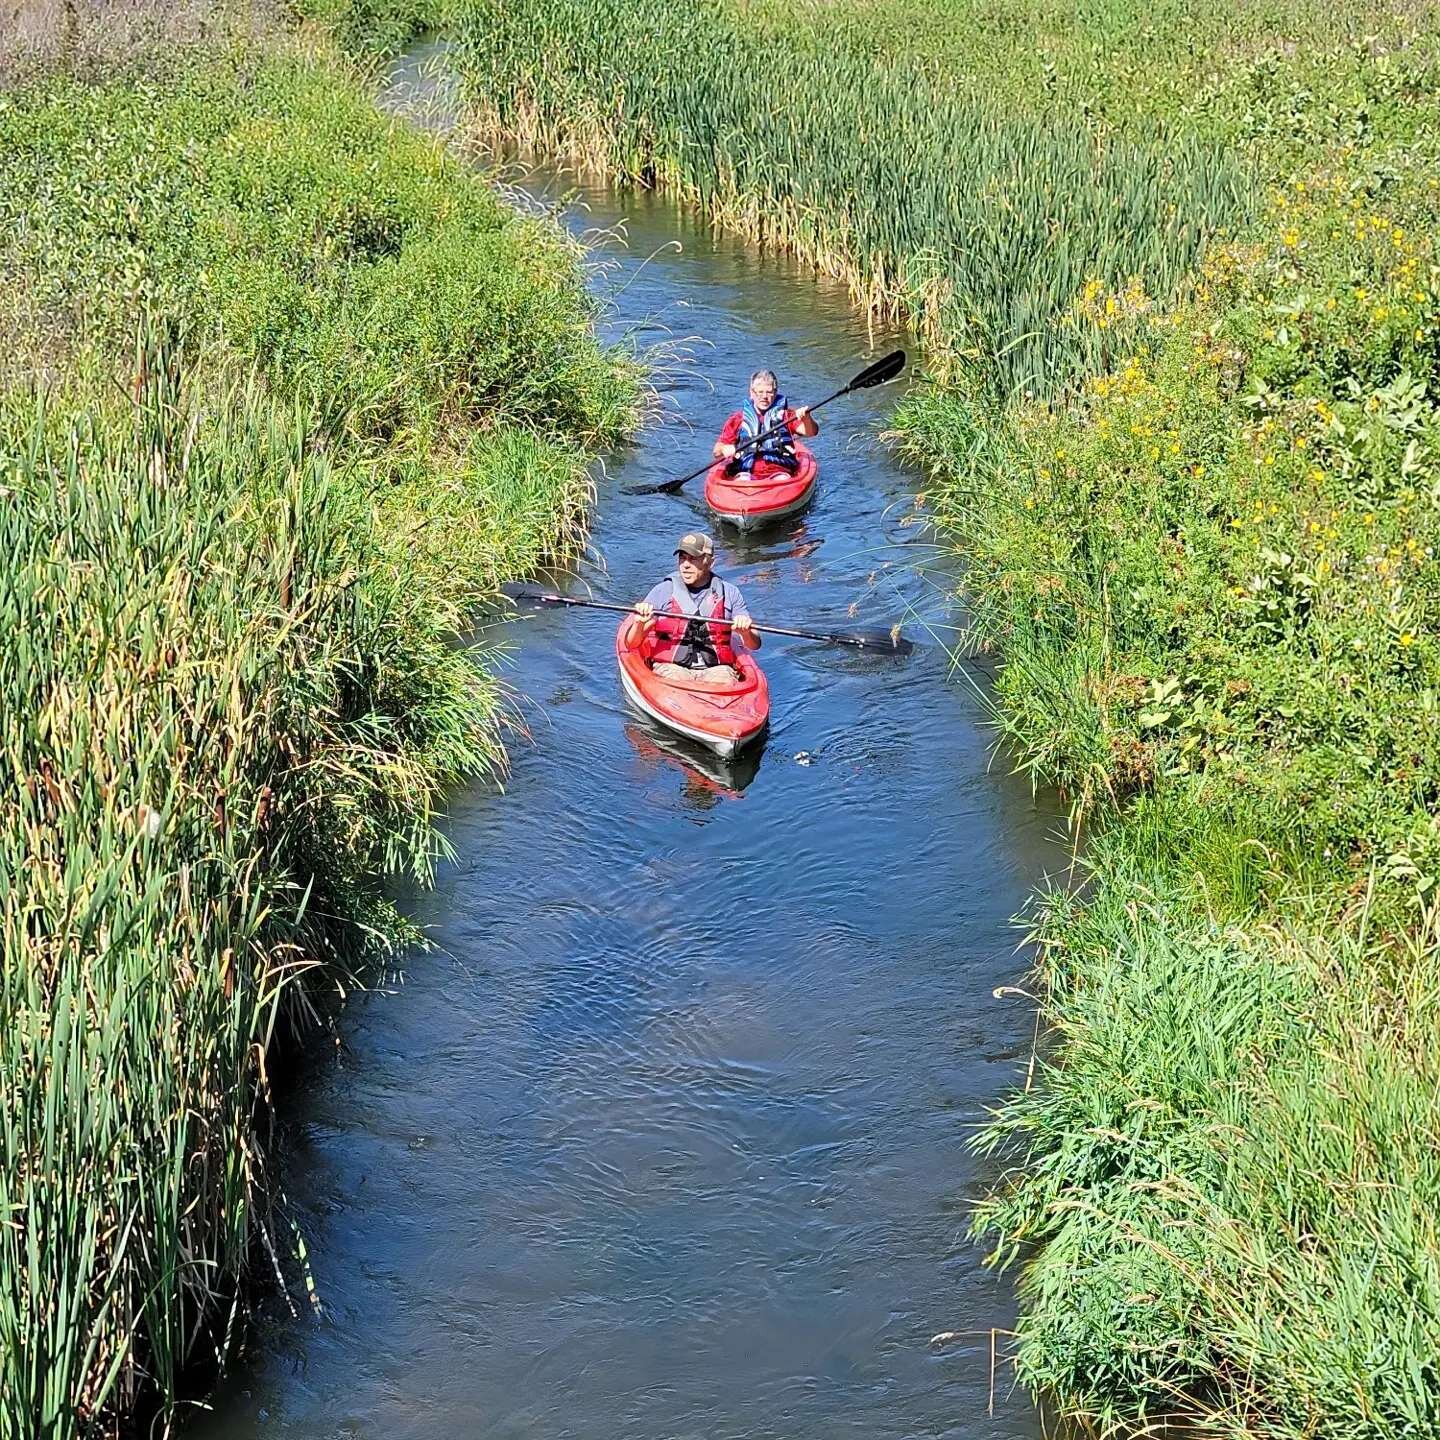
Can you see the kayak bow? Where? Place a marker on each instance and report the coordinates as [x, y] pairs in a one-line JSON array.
[[725, 718], [747, 503]]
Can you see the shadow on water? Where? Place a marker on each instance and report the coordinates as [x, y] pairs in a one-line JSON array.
[[669, 1137]]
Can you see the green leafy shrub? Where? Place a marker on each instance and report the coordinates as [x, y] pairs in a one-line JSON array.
[[373, 28], [234, 697], [354, 260]]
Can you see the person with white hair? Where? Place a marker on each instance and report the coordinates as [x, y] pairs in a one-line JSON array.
[[766, 415]]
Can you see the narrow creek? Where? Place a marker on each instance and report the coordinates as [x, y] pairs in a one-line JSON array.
[[668, 1139]]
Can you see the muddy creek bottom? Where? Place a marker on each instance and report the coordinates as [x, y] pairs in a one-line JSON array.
[[668, 1139]]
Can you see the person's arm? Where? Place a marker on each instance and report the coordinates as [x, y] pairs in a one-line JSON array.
[[803, 423], [725, 445], [651, 603], [740, 614]]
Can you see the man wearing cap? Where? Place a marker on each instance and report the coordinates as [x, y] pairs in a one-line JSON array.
[[681, 612]]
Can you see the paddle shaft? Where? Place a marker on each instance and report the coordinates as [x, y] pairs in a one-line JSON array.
[[832, 639]]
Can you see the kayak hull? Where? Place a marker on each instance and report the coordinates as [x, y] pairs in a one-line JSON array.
[[749, 504], [723, 718]]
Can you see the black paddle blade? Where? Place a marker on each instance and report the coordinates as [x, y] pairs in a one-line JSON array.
[[885, 369], [669, 487], [884, 642], [529, 595], [889, 642]]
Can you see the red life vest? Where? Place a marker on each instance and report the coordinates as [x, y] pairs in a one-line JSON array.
[[671, 624]]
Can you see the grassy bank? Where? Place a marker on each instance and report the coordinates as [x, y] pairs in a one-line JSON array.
[[1205, 550], [819, 133], [370, 30], [239, 555], [1213, 577]]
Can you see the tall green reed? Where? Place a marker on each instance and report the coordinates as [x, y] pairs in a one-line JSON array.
[[233, 697], [980, 224], [1225, 1170], [230, 707]]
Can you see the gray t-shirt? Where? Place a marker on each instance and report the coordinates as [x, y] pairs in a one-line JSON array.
[[732, 599]]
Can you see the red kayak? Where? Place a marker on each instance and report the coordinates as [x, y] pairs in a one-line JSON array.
[[748, 504], [723, 717]]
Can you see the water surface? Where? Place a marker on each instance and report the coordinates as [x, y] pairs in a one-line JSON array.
[[668, 1140]]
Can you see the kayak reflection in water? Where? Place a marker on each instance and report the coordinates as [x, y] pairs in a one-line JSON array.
[[705, 781], [681, 610], [765, 408]]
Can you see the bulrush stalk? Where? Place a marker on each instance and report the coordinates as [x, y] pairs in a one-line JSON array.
[[980, 227], [238, 555], [209, 758]]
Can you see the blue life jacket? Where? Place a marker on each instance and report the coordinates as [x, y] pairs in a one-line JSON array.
[[778, 448]]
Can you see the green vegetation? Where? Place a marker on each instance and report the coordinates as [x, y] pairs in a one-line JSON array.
[[1213, 578], [370, 29], [238, 561], [1230, 1159], [1207, 561], [851, 159]]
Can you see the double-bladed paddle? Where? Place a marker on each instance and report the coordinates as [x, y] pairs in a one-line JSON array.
[[880, 373], [887, 642]]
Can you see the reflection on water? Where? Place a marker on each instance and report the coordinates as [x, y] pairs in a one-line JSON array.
[[706, 779], [669, 1137]]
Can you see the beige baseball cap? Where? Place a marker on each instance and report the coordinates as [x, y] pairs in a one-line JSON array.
[[695, 542]]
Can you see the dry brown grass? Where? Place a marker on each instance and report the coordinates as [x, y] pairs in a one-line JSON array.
[[102, 35]]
